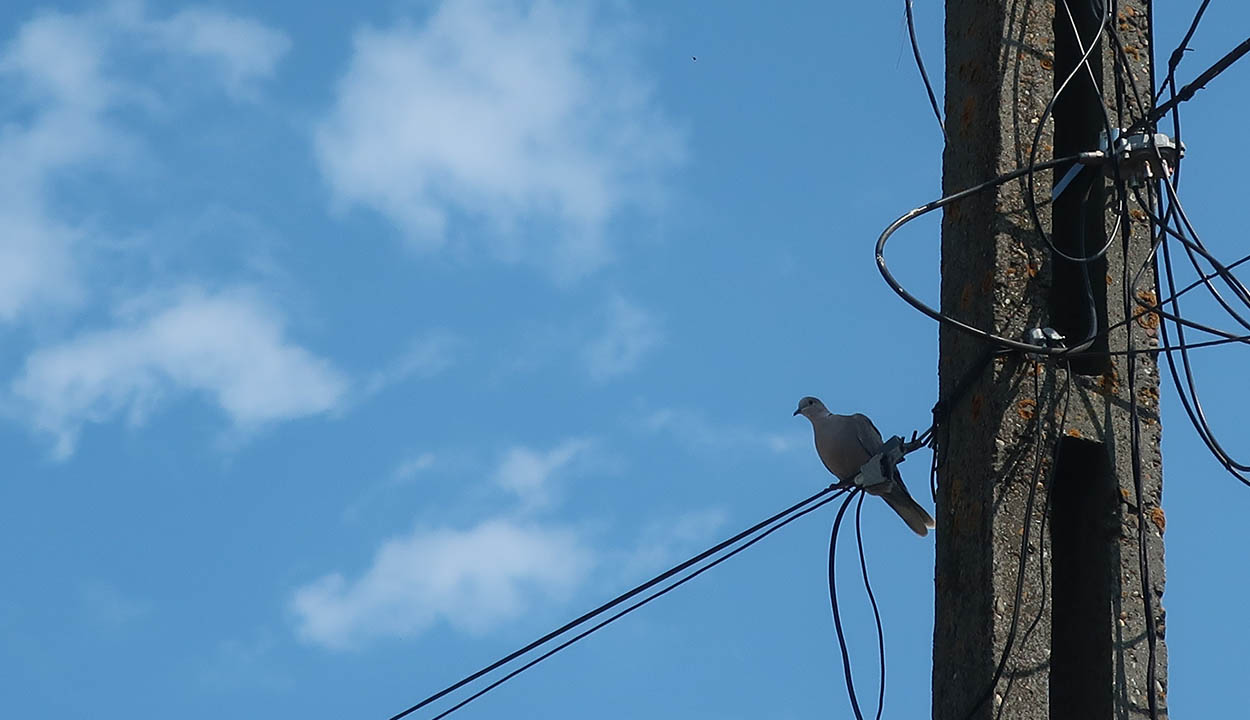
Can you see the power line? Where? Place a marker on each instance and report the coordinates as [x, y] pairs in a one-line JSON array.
[[635, 606], [623, 597]]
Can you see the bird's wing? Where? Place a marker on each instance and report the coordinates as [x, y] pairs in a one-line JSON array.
[[867, 434]]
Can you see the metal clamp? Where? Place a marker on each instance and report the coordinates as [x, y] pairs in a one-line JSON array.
[[1140, 156], [880, 467], [1044, 337]]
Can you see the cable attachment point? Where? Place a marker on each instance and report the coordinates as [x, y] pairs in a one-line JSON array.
[[1141, 156], [1044, 337], [880, 467]]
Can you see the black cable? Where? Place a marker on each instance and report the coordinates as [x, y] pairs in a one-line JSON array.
[[1197, 245], [1041, 530], [1188, 91], [1193, 408], [637, 605], [1083, 63], [1024, 550], [833, 601], [1205, 276], [611, 604], [876, 614], [924, 75], [943, 202], [1138, 484], [1179, 53]]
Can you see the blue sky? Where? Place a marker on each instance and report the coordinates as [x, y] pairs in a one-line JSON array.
[[348, 347]]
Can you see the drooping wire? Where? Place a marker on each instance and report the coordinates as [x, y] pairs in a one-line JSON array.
[[924, 75], [657, 594], [1093, 156], [833, 601], [623, 597], [872, 600]]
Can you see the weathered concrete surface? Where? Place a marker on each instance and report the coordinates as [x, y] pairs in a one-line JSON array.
[[997, 274]]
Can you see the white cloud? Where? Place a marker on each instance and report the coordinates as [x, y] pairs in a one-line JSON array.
[[662, 542], [628, 335], [694, 429], [424, 358], [472, 579], [54, 63], [55, 118], [243, 49], [528, 473], [412, 466], [230, 347], [504, 112]]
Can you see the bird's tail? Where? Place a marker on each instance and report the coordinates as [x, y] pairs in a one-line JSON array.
[[916, 517]]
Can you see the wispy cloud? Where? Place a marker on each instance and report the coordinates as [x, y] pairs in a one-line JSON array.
[[472, 579], [696, 430], [243, 50], [230, 347], [629, 333], [528, 473], [505, 113], [58, 116], [662, 542], [410, 467], [424, 358]]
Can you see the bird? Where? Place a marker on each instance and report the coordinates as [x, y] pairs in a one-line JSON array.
[[844, 443]]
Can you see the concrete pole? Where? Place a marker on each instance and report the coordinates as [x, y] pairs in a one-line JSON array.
[[1080, 648]]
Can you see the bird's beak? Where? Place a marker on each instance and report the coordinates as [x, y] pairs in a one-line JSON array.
[[796, 412]]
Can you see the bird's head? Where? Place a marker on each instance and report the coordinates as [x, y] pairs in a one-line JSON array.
[[811, 407]]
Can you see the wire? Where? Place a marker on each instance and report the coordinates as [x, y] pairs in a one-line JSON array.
[[1138, 485], [1041, 530], [1009, 644], [613, 603], [833, 601], [1198, 83], [1041, 126], [1179, 53], [924, 76], [943, 202], [876, 613], [635, 606]]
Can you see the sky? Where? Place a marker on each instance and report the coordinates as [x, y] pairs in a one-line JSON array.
[[348, 346]]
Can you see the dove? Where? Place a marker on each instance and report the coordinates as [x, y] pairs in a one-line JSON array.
[[844, 443]]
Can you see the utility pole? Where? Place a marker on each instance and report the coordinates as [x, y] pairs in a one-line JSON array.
[[1081, 645]]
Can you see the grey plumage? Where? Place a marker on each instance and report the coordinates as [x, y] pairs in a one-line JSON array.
[[844, 443]]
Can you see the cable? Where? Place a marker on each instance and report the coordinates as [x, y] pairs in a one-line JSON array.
[[1198, 83], [1041, 531], [1024, 549], [876, 613], [943, 202], [1138, 485], [635, 606], [1041, 126], [833, 601], [1179, 53], [612, 603], [924, 76]]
